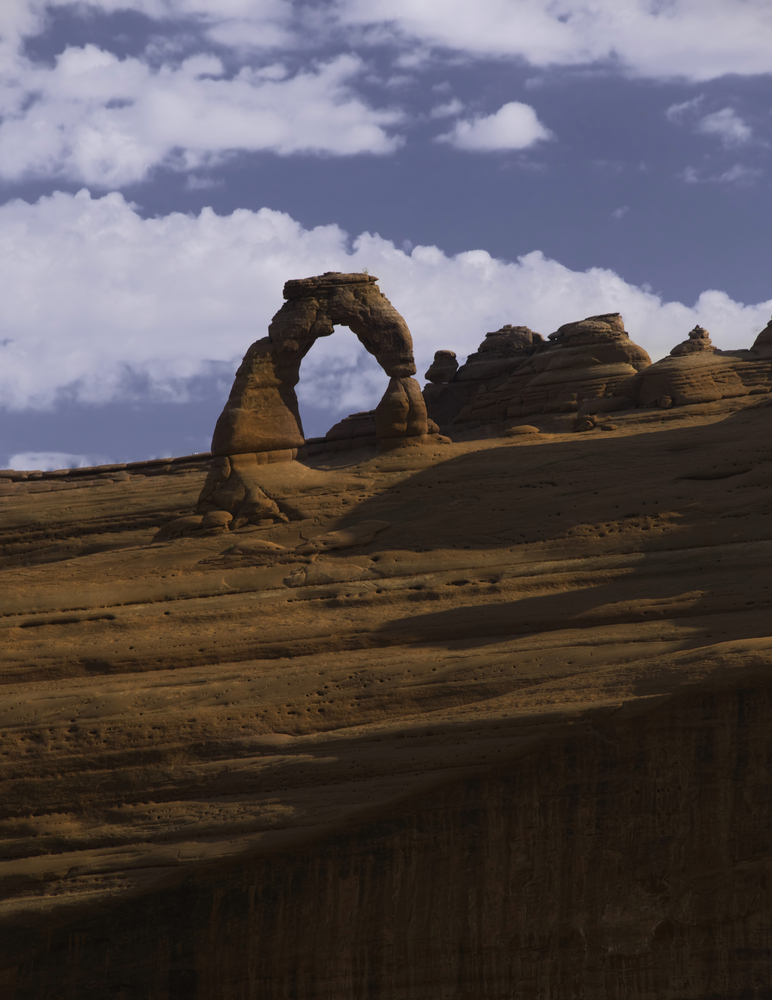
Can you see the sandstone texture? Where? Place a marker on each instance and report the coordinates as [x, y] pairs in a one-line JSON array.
[[260, 423], [261, 414], [516, 373], [698, 340], [487, 719], [586, 369], [443, 368]]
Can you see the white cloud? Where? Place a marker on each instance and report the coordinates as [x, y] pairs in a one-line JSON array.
[[513, 126], [695, 39], [727, 126], [692, 39], [196, 183], [100, 304], [45, 461], [737, 174], [621, 212], [447, 110], [109, 121], [677, 112]]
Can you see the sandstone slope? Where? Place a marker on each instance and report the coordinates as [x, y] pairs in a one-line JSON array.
[[474, 719]]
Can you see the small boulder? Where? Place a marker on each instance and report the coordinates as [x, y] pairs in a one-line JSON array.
[[443, 368], [179, 527], [520, 430]]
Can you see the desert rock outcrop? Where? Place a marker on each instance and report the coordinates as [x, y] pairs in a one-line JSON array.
[[260, 424], [698, 372], [443, 368], [590, 368], [261, 414], [515, 374], [486, 720], [698, 340]]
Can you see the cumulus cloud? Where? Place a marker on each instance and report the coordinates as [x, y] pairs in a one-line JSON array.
[[110, 121], [727, 126], [448, 109], [101, 305], [513, 126], [694, 39]]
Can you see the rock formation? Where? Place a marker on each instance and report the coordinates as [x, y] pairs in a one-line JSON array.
[[261, 415], [515, 373], [762, 345], [589, 368], [698, 372], [260, 424], [443, 368], [699, 340], [488, 721]]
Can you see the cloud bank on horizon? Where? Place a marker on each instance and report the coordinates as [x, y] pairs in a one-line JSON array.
[[499, 115], [101, 304]]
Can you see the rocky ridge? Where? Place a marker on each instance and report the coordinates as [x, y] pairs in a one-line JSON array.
[[586, 368]]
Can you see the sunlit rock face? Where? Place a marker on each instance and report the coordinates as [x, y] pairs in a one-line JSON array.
[[260, 424], [515, 374], [699, 372], [487, 720], [585, 369], [261, 414], [698, 340]]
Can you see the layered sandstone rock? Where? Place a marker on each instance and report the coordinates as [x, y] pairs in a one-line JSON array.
[[260, 423], [585, 365], [762, 346], [698, 372], [486, 721], [591, 368], [443, 368], [698, 340], [261, 414]]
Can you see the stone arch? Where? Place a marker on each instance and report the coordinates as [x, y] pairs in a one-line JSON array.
[[261, 415]]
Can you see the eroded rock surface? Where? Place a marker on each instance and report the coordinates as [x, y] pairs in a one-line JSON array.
[[698, 340], [589, 369], [443, 368], [515, 374], [484, 720], [260, 423], [261, 414]]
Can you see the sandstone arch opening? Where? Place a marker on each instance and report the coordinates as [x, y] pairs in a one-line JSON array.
[[338, 378], [262, 416], [261, 424]]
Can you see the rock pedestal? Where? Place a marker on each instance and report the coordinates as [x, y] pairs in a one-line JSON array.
[[261, 422], [443, 368], [699, 340], [261, 414]]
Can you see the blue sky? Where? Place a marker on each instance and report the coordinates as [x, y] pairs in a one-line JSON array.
[[165, 165]]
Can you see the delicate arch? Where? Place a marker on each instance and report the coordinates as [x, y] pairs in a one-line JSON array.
[[262, 415]]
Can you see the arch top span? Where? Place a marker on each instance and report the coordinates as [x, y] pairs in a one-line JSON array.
[[315, 305], [262, 415]]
